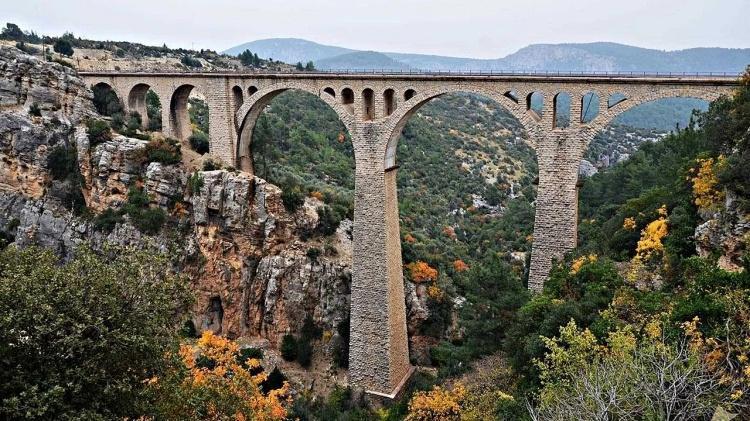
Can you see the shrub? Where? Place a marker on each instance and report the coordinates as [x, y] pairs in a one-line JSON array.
[[163, 150], [304, 352], [188, 329], [289, 347], [34, 110], [211, 165], [199, 142], [313, 253], [98, 131], [62, 161], [63, 46], [194, 183], [189, 61], [149, 221], [109, 342]]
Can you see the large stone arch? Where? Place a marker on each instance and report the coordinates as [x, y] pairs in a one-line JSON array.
[[641, 96], [395, 123], [248, 113], [179, 120]]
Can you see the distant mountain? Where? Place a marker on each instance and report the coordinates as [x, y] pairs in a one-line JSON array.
[[289, 50], [599, 56], [360, 60]]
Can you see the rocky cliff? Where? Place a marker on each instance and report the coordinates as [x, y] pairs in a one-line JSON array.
[[244, 253]]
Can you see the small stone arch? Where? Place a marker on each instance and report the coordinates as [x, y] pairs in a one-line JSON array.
[[561, 110], [347, 99], [252, 90], [179, 118], [330, 91], [137, 102], [409, 94], [389, 102], [368, 106], [535, 104], [106, 99], [590, 103], [237, 98]]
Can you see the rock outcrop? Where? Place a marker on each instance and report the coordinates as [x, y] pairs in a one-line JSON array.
[[725, 234], [255, 268]]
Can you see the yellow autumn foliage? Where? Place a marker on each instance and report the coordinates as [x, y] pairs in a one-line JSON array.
[[420, 271], [629, 223], [707, 196], [437, 404], [651, 236], [579, 262]]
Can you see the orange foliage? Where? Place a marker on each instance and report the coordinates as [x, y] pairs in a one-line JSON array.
[[460, 266], [437, 404], [316, 194], [420, 271], [226, 388], [410, 239], [450, 232]]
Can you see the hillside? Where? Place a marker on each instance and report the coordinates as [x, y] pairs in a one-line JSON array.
[[360, 60], [598, 56]]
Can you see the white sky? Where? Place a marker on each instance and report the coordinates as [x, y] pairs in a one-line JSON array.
[[465, 28]]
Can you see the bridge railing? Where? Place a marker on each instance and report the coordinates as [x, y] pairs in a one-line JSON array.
[[418, 72]]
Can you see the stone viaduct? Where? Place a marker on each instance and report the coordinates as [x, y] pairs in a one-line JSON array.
[[374, 108]]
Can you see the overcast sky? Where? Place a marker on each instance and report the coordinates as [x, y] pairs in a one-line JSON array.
[[467, 28]]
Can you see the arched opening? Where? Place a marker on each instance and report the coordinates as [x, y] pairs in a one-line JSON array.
[[464, 189], [561, 110], [589, 107], [330, 91], [615, 99], [189, 118], [389, 102], [635, 159], [535, 104], [367, 102], [347, 98], [409, 94], [237, 98], [144, 101], [106, 101], [512, 95], [251, 90]]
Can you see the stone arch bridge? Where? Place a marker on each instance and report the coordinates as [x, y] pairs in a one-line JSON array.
[[374, 108]]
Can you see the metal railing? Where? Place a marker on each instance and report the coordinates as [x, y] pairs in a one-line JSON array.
[[417, 72]]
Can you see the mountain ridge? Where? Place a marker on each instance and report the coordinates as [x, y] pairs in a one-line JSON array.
[[599, 56]]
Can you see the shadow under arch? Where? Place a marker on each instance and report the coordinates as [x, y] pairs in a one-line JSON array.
[[407, 109], [250, 111], [107, 101]]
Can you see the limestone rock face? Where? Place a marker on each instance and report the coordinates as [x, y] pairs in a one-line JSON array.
[[725, 233]]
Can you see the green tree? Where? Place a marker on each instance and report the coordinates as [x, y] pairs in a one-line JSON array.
[[299, 66], [78, 340], [310, 66], [63, 46]]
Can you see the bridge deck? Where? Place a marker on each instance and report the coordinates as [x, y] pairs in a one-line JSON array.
[[712, 78]]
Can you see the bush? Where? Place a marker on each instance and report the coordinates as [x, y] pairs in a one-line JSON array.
[[63, 46], [211, 165], [62, 161], [34, 110], [189, 61], [166, 151], [289, 347], [313, 253], [194, 183], [304, 353], [199, 142], [113, 318], [98, 131]]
